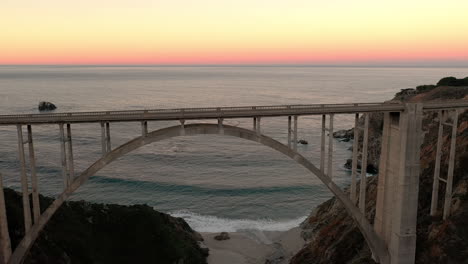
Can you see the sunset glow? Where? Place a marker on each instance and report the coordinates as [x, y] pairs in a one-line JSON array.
[[232, 32]]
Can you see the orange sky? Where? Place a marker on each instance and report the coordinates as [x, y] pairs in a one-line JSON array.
[[232, 32]]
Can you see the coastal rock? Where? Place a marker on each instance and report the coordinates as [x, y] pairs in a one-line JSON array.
[[46, 106], [222, 236], [370, 167], [332, 235], [344, 135], [83, 232]]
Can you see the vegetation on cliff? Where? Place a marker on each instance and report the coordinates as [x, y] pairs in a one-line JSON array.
[[332, 235], [82, 232]]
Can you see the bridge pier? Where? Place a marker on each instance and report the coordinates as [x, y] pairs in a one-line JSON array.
[[295, 134], [355, 159], [144, 128], [220, 126], [322, 145], [182, 127], [362, 188], [32, 165], [330, 148], [289, 132], [105, 138], [398, 185], [5, 244], [24, 181]]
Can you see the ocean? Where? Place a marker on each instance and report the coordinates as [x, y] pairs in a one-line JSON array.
[[216, 183]]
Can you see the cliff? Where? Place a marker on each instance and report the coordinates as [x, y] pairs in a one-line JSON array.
[[333, 236], [82, 232]]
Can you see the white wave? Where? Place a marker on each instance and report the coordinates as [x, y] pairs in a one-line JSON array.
[[207, 223]]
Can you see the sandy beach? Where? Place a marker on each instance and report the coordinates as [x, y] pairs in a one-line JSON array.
[[254, 246]]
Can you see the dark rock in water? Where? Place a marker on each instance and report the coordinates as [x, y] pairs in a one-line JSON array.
[[345, 134], [302, 141], [46, 106], [370, 167], [222, 236]]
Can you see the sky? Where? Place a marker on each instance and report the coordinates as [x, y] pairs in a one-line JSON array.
[[234, 32]]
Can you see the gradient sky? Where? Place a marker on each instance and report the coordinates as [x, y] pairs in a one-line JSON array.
[[233, 31]]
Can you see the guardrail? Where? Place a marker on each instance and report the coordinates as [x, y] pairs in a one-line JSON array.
[[217, 112]]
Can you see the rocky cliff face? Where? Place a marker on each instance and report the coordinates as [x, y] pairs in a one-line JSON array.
[[82, 232], [332, 235]]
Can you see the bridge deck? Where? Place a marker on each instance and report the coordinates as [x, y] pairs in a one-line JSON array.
[[216, 112]]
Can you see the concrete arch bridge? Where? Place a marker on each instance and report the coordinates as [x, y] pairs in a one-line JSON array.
[[392, 237]]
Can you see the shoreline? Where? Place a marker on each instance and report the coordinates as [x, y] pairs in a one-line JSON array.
[[254, 246]]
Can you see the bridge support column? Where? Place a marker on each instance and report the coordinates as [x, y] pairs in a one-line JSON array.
[[289, 131], [24, 181], [32, 165], [362, 188], [108, 138], [449, 181], [220, 126], [144, 128], [71, 163], [5, 244], [295, 134], [397, 199], [105, 138], [258, 129], [182, 127], [330, 148], [355, 159], [63, 156], [322, 145]]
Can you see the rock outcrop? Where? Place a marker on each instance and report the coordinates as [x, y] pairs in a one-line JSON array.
[[46, 106], [83, 232], [332, 235]]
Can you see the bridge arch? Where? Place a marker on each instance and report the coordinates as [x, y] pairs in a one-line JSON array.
[[377, 246]]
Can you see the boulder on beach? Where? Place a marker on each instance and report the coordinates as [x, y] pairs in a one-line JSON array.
[[222, 236], [46, 106]]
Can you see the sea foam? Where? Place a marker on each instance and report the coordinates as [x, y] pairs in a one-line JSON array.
[[207, 223]]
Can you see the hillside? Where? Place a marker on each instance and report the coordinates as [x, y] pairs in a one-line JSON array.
[[333, 236], [83, 232]]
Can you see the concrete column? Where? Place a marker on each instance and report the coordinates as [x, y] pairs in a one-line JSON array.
[[103, 139], [220, 126], [295, 134], [330, 147], [258, 126], [108, 138], [5, 244], [362, 188], [289, 131], [182, 127], [144, 128], [435, 184], [24, 181], [402, 246], [448, 187], [322, 145], [71, 164], [380, 218], [355, 159], [63, 156], [32, 165], [255, 124]]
